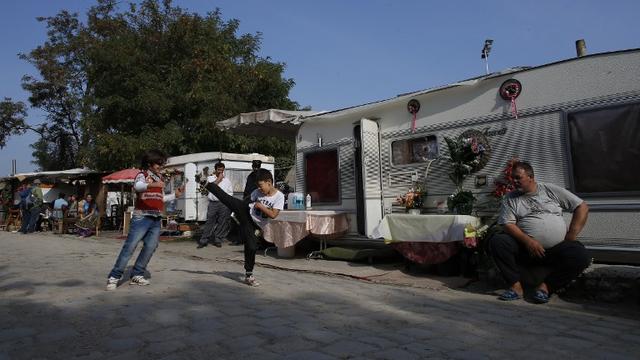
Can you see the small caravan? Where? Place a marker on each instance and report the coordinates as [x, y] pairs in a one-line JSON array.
[[188, 169], [576, 121]]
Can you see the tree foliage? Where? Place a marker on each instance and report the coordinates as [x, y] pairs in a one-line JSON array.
[[60, 91], [12, 120], [153, 75]]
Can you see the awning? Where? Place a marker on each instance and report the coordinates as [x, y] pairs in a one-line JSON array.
[[272, 122], [54, 174], [126, 176]]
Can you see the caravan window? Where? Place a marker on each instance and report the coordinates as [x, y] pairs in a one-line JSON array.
[[322, 176], [415, 150], [605, 147]]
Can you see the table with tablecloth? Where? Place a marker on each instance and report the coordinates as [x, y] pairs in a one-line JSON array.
[[424, 239], [291, 226]]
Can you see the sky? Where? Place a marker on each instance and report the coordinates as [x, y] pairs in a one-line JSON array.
[[345, 53]]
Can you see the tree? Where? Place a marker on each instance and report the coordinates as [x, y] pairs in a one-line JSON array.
[[153, 75], [12, 120], [162, 76], [60, 91]]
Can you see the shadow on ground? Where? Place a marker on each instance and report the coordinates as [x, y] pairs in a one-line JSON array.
[[208, 313]]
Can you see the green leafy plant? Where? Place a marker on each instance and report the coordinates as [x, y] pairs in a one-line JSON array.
[[461, 202], [465, 155], [124, 79]]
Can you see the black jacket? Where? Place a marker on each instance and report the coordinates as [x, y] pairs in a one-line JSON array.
[[252, 184]]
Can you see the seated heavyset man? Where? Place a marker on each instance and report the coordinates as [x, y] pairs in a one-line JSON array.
[[535, 234]]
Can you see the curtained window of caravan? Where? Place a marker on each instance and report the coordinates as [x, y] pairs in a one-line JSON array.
[[414, 150], [605, 148], [322, 176]]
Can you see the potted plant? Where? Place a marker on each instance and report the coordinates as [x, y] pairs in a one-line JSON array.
[[467, 154]]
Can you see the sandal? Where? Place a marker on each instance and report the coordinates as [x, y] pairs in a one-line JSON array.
[[509, 295], [541, 297]]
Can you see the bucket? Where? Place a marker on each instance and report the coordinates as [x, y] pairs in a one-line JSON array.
[[287, 252]]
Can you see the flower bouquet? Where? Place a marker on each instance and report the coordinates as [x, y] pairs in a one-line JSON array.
[[413, 199], [504, 184], [472, 235]]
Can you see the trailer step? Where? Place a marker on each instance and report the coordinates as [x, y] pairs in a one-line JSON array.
[[615, 254], [357, 241]]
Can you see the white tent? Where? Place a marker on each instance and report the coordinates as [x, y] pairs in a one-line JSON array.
[[272, 122], [57, 173]]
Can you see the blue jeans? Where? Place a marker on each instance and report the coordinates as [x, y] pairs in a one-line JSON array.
[[147, 229]]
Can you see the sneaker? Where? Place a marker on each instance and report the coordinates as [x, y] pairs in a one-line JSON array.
[[112, 283], [139, 280], [251, 281]]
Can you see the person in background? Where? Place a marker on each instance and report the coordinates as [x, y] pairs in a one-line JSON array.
[[25, 204], [6, 201], [264, 204], [216, 228], [89, 218], [35, 199], [146, 219], [535, 233], [252, 182], [73, 206], [60, 205], [81, 202]]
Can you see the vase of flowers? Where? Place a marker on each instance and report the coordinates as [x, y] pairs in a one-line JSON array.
[[412, 200]]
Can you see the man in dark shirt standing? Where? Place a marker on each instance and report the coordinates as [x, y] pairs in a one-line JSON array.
[[252, 180]]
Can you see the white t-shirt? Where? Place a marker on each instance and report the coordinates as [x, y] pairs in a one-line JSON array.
[[225, 185], [275, 201]]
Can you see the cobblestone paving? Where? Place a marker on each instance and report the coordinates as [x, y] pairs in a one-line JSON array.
[[53, 306]]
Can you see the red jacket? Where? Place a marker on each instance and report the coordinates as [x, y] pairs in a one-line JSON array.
[[152, 198]]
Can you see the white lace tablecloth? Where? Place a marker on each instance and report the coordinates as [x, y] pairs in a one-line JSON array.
[[423, 228], [292, 226]]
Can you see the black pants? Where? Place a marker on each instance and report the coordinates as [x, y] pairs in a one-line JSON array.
[[566, 260], [26, 217], [247, 227]]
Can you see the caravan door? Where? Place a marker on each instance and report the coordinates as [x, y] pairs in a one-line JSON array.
[[370, 203]]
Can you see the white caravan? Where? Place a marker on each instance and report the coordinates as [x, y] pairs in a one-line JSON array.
[[193, 205], [576, 121]]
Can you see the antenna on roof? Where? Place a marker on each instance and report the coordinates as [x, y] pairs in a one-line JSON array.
[[485, 53]]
